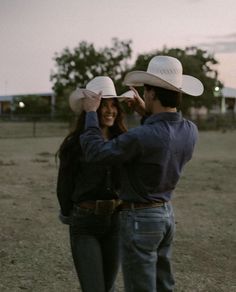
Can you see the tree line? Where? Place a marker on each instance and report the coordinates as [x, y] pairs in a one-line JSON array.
[[75, 67]]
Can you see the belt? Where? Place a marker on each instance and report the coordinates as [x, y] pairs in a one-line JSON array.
[[129, 205], [101, 207]]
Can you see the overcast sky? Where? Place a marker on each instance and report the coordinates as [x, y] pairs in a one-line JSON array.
[[31, 31]]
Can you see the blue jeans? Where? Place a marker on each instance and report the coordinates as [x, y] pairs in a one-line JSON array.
[[146, 237], [95, 249]]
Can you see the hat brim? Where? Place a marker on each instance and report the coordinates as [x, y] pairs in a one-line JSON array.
[[75, 99], [126, 95], [190, 85]]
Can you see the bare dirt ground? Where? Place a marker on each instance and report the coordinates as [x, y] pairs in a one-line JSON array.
[[34, 248]]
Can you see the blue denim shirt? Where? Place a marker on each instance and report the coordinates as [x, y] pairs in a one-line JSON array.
[[152, 155]]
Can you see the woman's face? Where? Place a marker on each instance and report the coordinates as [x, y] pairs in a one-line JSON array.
[[108, 112]]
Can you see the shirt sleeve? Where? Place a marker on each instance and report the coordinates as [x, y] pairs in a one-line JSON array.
[[65, 188], [91, 120], [96, 149]]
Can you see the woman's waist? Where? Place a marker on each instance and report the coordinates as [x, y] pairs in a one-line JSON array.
[[99, 207]]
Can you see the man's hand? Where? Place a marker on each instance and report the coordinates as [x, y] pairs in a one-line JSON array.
[[139, 105], [91, 102], [136, 103]]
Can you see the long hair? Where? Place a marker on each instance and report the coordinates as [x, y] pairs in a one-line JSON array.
[[70, 148]]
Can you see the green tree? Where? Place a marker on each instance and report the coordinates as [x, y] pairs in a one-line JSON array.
[[76, 67], [196, 62]]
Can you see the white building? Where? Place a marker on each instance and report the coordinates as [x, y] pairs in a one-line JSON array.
[[228, 101]]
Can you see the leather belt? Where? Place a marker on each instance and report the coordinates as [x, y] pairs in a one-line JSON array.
[[129, 205], [101, 207]]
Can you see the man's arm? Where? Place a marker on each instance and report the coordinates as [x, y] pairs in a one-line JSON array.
[[118, 150], [95, 148]]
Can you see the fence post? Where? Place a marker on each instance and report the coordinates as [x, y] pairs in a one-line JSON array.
[[35, 119]]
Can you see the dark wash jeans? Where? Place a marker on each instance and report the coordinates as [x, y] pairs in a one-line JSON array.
[[95, 249], [146, 237]]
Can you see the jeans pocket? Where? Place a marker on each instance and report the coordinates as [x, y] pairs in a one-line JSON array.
[[148, 234]]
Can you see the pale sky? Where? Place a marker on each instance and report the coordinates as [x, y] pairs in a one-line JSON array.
[[31, 31]]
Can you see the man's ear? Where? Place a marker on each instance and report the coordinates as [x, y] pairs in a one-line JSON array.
[[153, 94]]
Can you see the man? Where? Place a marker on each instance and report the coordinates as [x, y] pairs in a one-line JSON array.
[[152, 157]]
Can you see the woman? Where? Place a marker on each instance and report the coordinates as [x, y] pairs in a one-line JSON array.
[[87, 193]]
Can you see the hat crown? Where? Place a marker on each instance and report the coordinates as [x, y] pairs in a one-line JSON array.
[[167, 68], [165, 72], [102, 83]]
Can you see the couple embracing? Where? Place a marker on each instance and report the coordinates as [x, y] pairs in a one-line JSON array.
[[115, 185]]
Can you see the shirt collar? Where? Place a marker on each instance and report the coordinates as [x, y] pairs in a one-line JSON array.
[[166, 116]]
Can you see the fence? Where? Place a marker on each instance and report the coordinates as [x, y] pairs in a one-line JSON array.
[[47, 126], [33, 126], [222, 122]]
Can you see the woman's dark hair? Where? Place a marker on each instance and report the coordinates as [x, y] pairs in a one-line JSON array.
[[167, 98], [70, 147]]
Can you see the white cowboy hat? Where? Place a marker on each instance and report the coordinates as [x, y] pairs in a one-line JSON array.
[[126, 95], [99, 84], [165, 72]]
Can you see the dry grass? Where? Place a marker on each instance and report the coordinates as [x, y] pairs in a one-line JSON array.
[[34, 247]]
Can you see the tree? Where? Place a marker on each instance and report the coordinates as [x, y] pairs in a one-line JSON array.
[[196, 62], [78, 66]]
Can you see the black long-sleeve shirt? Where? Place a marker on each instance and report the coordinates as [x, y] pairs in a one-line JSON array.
[[83, 181]]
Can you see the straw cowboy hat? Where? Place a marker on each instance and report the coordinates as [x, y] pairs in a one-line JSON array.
[[127, 95], [99, 84], [165, 72]]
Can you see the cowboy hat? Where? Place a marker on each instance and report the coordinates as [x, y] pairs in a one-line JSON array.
[[98, 84], [127, 95], [165, 72]]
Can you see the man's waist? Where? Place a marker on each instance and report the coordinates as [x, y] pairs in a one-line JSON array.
[[140, 205], [109, 206]]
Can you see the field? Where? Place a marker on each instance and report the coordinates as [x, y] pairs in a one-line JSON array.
[[34, 247]]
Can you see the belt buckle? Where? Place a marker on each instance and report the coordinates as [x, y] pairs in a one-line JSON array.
[[105, 207]]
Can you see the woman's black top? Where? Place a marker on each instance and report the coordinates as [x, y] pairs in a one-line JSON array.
[[80, 181]]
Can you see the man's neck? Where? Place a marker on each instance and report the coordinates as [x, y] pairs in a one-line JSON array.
[[158, 108]]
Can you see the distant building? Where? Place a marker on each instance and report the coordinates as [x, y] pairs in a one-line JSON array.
[[227, 105], [228, 102], [6, 104], [198, 113]]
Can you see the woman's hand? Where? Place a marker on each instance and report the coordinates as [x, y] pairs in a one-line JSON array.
[[92, 101]]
